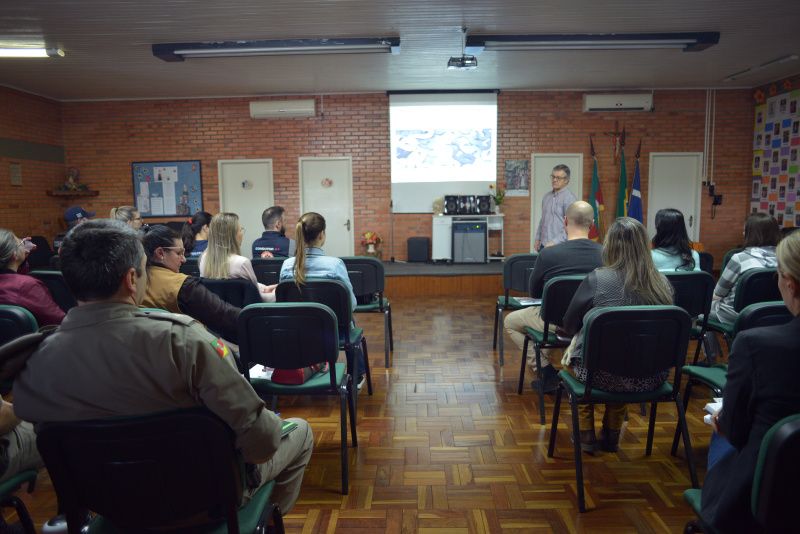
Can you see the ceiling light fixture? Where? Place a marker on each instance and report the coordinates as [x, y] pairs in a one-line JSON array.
[[688, 42], [22, 52], [464, 61], [359, 45], [753, 70]]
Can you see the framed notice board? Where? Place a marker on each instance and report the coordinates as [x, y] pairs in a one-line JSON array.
[[167, 188]]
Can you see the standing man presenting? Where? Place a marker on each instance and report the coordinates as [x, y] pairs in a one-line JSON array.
[[273, 242], [554, 209]]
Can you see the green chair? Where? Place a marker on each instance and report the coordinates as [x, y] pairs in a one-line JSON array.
[[772, 499], [556, 296], [706, 262], [715, 377], [368, 279], [693, 291], [295, 335], [145, 472], [15, 321], [55, 282], [8, 499], [629, 341], [336, 296], [517, 271], [268, 270], [728, 255], [754, 285]]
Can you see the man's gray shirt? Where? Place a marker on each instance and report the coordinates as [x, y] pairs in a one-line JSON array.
[[554, 208]]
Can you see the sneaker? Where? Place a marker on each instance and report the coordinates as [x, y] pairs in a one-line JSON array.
[[361, 380], [551, 380], [609, 440]]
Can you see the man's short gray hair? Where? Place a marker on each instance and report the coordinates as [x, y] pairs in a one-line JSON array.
[[562, 167]]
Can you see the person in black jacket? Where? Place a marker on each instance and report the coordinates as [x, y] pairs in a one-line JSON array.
[[172, 290], [761, 390]]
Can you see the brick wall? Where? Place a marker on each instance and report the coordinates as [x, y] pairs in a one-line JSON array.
[[26, 209], [103, 138]]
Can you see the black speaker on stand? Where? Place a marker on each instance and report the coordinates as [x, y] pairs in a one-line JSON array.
[[450, 205], [484, 205]]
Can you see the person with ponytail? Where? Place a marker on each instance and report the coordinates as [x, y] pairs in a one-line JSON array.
[[195, 234], [127, 214]]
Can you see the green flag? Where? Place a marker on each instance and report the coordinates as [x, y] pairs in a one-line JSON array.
[[623, 194]]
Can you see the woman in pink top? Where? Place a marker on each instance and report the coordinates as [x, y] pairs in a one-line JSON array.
[[223, 259]]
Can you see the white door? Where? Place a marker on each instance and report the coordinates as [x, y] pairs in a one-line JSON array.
[[674, 182], [326, 187], [542, 165], [245, 188]]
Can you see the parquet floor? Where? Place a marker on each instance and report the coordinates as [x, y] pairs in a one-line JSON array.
[[446, 445]]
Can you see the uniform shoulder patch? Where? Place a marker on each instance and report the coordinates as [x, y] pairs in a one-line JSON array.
[[220, 347]]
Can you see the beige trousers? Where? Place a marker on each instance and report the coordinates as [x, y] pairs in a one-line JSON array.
[[515, 324]]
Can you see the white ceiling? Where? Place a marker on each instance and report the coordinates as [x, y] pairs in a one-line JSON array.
[[108, 54]]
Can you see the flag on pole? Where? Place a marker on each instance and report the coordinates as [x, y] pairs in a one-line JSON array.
[[635, 200], [623, 193], [597, 231]]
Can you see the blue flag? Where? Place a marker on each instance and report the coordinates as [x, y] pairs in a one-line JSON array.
[[635, 201]]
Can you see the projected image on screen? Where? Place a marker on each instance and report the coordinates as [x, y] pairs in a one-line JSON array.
[[441, 144]]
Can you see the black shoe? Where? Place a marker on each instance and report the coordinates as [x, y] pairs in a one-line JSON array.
[[551, 380], [609, 440]]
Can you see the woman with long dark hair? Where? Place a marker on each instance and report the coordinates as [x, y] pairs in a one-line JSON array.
[[195, 234], [672, 250]]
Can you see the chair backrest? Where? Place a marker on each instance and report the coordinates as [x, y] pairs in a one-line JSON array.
[[235, 291], [762, 314], [556, 296], [517, 271], [191, 267], [706, 262], [267, 270], [773, 497], [367, 275], [15, 321], [635, 341], [41, 256], [288, 335], [331, 293], [756, 285], [694, 291], [55, 282], [144, 471], [728, 255]]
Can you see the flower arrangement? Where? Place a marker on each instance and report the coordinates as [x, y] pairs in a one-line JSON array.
[[371, 238], [497, 194]]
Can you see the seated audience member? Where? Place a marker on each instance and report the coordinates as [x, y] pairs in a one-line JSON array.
[[760, 391], [577, 255], [273, 242], [672, 250], [627, 278], [73, 216], [172, 290], [761, 234], [311, 262], [222, 259], [127, 214], [166, 362], [195, 234], [21, 289]]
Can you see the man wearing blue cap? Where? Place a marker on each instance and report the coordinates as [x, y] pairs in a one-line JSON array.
[[73, 216]]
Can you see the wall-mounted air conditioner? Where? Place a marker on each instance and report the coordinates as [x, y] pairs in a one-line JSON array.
[[283, 109], [618, 102]]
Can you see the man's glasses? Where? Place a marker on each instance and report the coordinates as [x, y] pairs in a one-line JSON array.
[[554, 177]]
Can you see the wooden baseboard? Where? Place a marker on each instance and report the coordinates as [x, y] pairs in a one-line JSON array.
[[467, 285]]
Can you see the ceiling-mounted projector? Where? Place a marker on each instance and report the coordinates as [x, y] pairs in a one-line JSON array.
[[463, 62]]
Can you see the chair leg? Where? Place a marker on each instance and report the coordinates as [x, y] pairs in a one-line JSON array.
[[686, 396], [366, 364], [391, 331], [576, 445], [22, 512], [277, 520], [642, 409], [274, 404], [500, 342], [651, 428], [343, 421], [351, 397], [687, 444], [539, 373], [551, 447], [496, 317], [387, 338], [522, 366], [698, 348]]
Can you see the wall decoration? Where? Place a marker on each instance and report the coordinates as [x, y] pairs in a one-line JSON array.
[[167, 188], [518, 177], [776, 169]]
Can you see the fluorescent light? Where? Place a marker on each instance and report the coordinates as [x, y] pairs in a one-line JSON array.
[[688, 42], [756, 68], [31, 52], [368, 45]]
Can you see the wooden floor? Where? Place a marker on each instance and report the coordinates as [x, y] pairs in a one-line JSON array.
[[446, 445]]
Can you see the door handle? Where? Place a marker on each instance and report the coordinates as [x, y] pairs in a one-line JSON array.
[[691, 220], [347, 224]]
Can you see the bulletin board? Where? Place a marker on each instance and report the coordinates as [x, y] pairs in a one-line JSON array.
[[167, 188], [776, 164]]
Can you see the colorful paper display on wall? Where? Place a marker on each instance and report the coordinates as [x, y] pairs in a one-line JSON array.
[[167, 188], [776, 162]]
